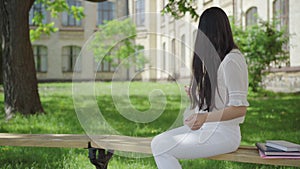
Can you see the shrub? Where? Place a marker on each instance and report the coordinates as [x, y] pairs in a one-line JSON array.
[[262, 45]]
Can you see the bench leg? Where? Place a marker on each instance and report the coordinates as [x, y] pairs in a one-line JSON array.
[[101, 160]]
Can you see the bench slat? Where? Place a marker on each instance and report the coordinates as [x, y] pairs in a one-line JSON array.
[[248, 154], [44, 140], [123, 143]]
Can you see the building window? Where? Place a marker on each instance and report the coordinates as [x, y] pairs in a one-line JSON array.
[[251, 16], [70, 57], [105, 66], [105, 11], [139, 58], [69, 19], [164, 57], [163, 3], [140, 12], [182, 51], [40, 58], [173, 59], [37, 9], [281, 13]]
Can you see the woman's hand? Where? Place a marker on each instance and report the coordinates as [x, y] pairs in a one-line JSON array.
[[195, 121]]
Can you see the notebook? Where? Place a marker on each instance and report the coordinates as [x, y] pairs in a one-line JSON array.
[[283, 145]]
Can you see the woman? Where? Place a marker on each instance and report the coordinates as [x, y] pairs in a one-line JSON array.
[[218, 95]]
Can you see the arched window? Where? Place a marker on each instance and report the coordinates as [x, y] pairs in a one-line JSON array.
[[106, 11], [251, 16], [69, 58], [40, 58], [69, 19]]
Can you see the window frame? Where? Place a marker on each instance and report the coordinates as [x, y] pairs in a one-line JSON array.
[[182, 51], [38, 58], [101, 68], [282, 14], [102, 11], [164, 57], [251, 16], [38, 8], [140, 12], [71, 56], [68, 20]]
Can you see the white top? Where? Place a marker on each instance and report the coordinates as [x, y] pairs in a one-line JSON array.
[[232, 83], [232, 86]]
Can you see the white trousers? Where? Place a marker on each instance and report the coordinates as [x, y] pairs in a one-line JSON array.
[[183, 143]]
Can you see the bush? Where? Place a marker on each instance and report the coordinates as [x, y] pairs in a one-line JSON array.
[[262, 45]]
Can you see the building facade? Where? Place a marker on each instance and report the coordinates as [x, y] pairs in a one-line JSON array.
[[168, 43], [175, 38], [56, 55]]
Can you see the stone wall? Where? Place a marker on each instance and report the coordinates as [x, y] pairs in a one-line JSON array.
[[283, 80]]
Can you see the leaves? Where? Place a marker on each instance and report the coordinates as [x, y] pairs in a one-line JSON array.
[[116, 40], [54, 7], [262, 45], [178, 8]]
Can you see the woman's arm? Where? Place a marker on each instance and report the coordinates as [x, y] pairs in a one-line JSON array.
[[195, 121], [228, 113], [236, 81]]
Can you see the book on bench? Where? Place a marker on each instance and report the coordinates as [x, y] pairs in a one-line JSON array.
[[283, 145], [262, 155], [270, 151]]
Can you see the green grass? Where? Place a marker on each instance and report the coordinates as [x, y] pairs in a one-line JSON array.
[[270, 116]]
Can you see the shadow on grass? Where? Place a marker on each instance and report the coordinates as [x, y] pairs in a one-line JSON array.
[[127, 127]]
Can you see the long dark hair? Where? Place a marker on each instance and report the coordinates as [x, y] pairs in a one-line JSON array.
[[214, 41]]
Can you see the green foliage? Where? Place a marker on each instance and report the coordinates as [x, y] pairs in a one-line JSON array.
[[262, 45], [271, 116], [115, 40], [178, 8], [54, 8]]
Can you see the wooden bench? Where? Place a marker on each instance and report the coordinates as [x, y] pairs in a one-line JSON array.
[[248, 154]]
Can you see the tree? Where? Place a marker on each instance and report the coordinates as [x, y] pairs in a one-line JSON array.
[[19, 75], [116, 41], [262, 46]]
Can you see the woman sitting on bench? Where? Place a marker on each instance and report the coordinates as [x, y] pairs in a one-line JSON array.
[[218, 94]]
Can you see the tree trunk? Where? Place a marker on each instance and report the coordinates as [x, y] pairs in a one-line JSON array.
[[1, 74], [19, 75]]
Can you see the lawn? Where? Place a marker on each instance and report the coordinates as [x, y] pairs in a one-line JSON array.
[[270, 116]]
